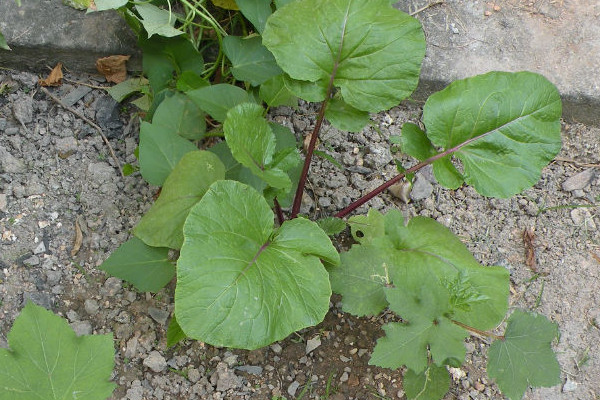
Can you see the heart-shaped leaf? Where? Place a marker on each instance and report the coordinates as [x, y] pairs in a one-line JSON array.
[[216, 100], [162, 225], [240, 281], [507, 126], [180, 115], [47, 360], [372, 50], [252, 62]]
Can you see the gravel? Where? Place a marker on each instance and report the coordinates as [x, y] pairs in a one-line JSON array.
[[55, 170]]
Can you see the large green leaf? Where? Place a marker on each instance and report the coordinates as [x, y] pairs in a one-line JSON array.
[[256, 11], [162, 225], [431, 384], [372, 50], [157, 21], [524, 357], [48, 361], [251, 61], [423, 303], [478, 294], [160, 151], [241, 282], [147, 268], [216, 100], [181, 116], [510, 122], [252, 142], [275, 93], [345, 117]]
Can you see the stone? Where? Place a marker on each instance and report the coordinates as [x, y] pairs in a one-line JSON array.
[[100, 172], [10, 164], [158, 315], [112, 286], [579, 181], [82, 328], [40, 298], [569, 386], [276, 347], [421, 188], [225, 378], [131, 348], [582, 217], [193, 375], [155, 361], [75, 95], [3, 203], [91, 306], [40, 248], [293, 388], [23, 109], [32, 261], [136, 392], [312, 344], [53, 277], [66, 146], [250, 369]]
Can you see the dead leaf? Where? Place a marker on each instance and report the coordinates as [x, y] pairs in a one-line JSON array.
[[114, 68], [595, 257], [54, 78], [528, 237], [78, 239], [306, 142]]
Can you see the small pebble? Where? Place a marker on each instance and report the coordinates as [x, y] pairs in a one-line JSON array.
[[312, 344], [579, 181], [155, 361]]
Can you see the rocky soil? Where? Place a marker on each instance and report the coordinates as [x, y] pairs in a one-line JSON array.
[[57, 179]]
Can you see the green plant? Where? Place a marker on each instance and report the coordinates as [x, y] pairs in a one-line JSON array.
[[47, 360], [249, 273]]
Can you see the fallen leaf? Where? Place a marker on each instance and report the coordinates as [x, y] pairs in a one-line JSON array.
[[114, 68], [595, 257], [528, 237], [54, 78], [78, 239]]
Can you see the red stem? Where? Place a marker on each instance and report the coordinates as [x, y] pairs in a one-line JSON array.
[[278, 211], [477, 331], [353, 206]]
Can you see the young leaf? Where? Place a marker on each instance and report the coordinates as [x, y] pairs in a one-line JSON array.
[[157, 21], [345, 117], [423, 303], [147, 268], [179, 115], [126, 88], [47, 360], [162, 225], [275, 93], [252, 142], [174, 333], [372, 50], [235, 171], [524, 357], [216, 100], [431, 384], [3, 44], [241, 282], [331, 225], [415, 143], [256, 11], [160, 151], [510, 123], [252, 62]]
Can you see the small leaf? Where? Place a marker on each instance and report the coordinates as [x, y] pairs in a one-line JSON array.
[[525, 357], [126, 88], [47, 360], [102, 5], [256, 11], [510, 122], [162, 225], [145, 267], [160, 151], [372, 50], [345, 117], [174, 333], [157, 21], [179, 115], [431, 384], [3, 44], [251, 61], [216, 100], [415, 143], [252, 142], [54, 78], [241, 282], [331, 225], [275, 93]]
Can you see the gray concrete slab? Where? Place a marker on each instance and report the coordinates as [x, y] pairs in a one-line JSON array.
[[44, 32], [559, 39]]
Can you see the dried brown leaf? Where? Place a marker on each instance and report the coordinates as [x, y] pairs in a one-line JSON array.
[[528, 238], [78, 239], [54, 78], [114, 68]]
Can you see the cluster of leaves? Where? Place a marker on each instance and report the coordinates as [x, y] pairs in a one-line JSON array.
[[250, 273]]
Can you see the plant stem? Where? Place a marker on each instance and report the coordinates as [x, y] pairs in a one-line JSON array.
[[478, 331], [278, 211], [353, 206]]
